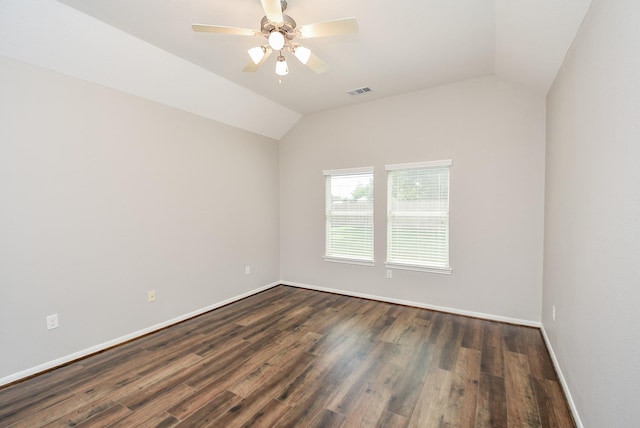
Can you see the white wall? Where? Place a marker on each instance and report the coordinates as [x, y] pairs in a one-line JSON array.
[[592, 216], [493, 131], [105, 196]]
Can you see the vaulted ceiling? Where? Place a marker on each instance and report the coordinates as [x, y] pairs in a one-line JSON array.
[[401, 46]]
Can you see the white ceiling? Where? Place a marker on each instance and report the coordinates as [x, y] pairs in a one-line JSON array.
[[402, 46]]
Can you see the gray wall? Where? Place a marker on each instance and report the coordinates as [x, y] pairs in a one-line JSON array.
[[592, 216], [105, 196], [493, 131]]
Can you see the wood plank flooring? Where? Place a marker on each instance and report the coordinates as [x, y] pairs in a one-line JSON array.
[[294, 357]]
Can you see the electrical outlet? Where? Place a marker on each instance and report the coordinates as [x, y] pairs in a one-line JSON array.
[[553, 312], [389, 274], [247, 270], [52, 321], [151, 296]]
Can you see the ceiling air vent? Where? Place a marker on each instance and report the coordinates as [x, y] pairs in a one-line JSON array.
[[359, 91]]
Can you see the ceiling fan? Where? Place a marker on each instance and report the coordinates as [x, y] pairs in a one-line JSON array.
[[280, 30]]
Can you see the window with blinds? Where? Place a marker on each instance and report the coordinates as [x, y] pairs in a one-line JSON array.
[[349, 215], [418, 216]]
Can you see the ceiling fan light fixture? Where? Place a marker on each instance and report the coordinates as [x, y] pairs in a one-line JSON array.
[[280, 30], [302, 53], [276, 40], [281, 66], [257, 54]]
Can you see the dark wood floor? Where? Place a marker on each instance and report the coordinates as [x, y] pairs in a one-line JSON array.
[[295, 357]]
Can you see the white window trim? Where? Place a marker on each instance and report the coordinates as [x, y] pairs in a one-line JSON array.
[[405, 266], [401, 266], [347, 171], [350, 171], [428, 164], [349, 261]]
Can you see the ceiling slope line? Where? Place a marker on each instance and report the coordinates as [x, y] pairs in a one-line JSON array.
[[59, 38]]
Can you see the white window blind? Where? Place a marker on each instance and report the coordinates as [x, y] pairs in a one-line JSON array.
[[349, 215], [418, 216]]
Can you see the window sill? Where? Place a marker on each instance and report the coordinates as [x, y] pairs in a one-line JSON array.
[[349, 261], [418, 268]]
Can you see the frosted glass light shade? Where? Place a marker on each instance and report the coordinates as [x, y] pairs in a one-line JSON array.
[[256, 54], [281, 66], [276, 40], [302, 54]]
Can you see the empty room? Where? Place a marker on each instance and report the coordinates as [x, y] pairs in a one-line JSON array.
[[332, 214]]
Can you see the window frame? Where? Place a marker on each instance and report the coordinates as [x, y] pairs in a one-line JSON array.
[[410, 266], [340, 259]]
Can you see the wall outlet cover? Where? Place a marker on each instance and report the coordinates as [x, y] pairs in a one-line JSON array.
[[52, 321]]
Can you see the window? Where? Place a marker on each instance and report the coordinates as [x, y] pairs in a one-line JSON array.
[[349, 212], [418, 216]]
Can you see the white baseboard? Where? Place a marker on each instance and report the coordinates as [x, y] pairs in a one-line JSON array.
[[563, 382], [117, 341], [490, 317]]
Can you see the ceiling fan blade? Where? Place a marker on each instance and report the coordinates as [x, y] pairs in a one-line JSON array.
[[273, 10], [328, 28], [252, 67], [204, 28], [316, 64]]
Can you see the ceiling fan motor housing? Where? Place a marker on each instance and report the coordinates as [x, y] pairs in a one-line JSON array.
[[287, 27]]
